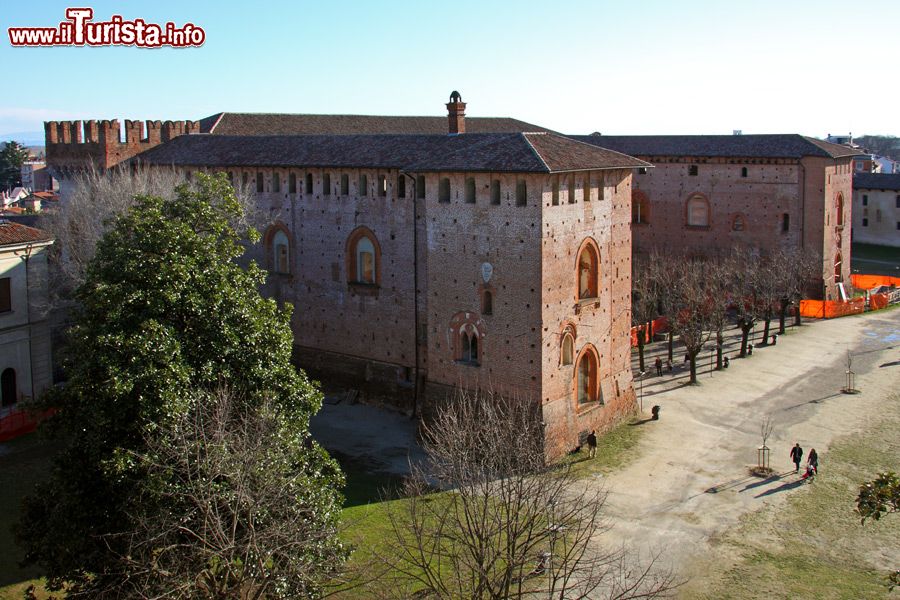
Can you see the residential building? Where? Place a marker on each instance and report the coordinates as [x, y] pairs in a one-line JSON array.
[[876, 208]]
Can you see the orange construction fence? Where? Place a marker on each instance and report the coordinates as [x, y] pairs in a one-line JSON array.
[[659, 325], [867, 282], [878, 301], [829, 309]]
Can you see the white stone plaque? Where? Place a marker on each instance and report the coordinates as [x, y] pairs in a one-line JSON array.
[[487, 269]]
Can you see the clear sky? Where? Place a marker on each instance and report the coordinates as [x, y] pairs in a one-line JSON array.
[[640, 67]]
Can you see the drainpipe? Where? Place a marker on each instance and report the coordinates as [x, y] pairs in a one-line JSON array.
[[415, 198]]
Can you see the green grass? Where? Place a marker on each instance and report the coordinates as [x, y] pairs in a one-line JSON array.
[[815, 547], [615, 449], [873, 252]]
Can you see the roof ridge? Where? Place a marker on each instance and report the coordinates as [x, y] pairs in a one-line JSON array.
[[536, 152], [577, 141]]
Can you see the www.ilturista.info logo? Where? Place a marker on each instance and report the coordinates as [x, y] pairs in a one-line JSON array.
[[78, 30]]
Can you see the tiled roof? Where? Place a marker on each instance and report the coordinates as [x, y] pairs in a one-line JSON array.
[[788, 145], [513, 152], [876, 181], [16, 233], [291, 124]]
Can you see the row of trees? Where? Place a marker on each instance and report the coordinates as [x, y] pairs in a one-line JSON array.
[[700, 297]]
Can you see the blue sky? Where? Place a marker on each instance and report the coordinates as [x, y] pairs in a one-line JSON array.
[[811, 67]]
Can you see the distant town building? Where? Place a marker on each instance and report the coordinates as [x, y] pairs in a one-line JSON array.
[[25, 353], [876, 208], [423, 253], [36, 177], [710, 193]]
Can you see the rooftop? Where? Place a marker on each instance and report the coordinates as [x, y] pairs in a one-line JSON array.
[[15, 233], [781, 145], [876, 181], [491, 152], [227, 123]]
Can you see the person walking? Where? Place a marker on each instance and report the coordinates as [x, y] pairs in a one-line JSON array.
[[658, 364], [592, 444], [813, 460], [796, 456], [669, 365]]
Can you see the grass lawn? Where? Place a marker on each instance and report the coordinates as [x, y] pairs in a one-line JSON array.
[[815, 547], [367, 525]]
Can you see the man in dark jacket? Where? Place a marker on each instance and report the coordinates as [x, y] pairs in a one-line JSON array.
[[592, 443], [796, 456]]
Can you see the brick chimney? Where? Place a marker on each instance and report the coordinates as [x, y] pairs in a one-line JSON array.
[[456, 113]]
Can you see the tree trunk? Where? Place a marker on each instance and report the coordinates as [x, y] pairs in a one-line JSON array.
[[745, 334], [766, 324], [640, 344], [671, 344], [720, 341], [693, 361], [782, 315], [797, 315]]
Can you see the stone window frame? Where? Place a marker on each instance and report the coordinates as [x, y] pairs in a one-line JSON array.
[[839, 210], [595, 394], [697, 197], [464, 327], [593, 284], [739, 222], [351, 258], [568, 332], [269, 240]]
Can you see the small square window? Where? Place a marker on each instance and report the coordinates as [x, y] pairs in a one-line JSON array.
[[642, 170], [693, 170], [743, 171], [865, 222], [865, 199], [444, 190], [897, 201]]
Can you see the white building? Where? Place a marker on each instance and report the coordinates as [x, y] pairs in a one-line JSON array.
[[25, 354], [876, 208]]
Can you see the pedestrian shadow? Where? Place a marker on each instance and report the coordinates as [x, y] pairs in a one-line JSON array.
[[721, 487], [889, 364], [641, 422], [784, 487]]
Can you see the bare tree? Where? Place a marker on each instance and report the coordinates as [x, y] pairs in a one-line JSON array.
[[229, 511], [793, 269], [96, 199], [693, 307], [744, 266], [506, 525], [644, 304]]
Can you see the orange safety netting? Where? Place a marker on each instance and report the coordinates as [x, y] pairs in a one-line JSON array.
[[867, 282], [829, 309], [656, 326], [878, 301]]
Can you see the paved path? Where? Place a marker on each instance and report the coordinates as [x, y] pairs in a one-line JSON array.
[[689, 480]]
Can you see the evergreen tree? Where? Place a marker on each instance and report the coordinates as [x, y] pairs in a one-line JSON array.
[[164, 311], [12, 156]]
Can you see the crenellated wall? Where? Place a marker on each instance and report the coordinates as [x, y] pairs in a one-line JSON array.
[[75, 145]]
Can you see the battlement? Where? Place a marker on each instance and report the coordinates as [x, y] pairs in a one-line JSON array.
[[77, 144]]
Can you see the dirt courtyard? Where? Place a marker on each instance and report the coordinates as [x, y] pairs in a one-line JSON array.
[[689, 482]]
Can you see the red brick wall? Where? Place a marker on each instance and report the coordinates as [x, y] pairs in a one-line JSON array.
[[603, 322]]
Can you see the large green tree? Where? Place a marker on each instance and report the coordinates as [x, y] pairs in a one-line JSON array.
[[165, 311], [12, 156]]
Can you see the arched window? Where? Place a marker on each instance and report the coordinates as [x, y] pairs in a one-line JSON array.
[[382, 186], [276, 182], [260, 186], [278, 249], [495, 192], [737, 224], [292, 183], [568, 349], [697, 211], [470, 190], [8, 387], [444, 190], [345, 185], [363, 257], [363, 185], [588, 262], [309, 183], [487, 303], [837, 268], [640, 211], [840, 210], [586, 388], [521, 193], [326, 184]]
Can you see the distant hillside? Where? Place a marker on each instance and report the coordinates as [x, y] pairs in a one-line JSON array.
[[883, 145], [26, 138]]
